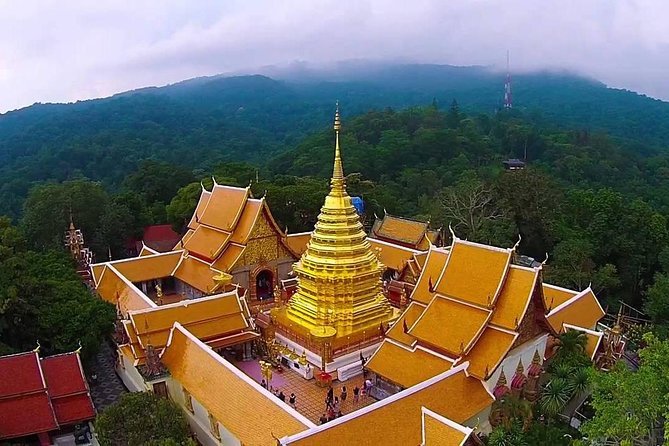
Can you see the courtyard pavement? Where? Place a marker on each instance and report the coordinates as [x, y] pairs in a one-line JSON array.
[[108, 387]]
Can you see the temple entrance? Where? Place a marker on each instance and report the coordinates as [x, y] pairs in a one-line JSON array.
[[264, 285], [390, 274]]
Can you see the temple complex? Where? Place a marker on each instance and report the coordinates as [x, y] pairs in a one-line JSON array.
[[239, 309]]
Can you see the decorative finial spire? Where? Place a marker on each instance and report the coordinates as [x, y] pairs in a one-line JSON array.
[[338, 171]]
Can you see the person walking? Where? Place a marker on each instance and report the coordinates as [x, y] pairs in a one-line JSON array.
[[344, 394], [356, 394], [292, 400], [324, 419], [263, 383], [337, 407], [281, 396]]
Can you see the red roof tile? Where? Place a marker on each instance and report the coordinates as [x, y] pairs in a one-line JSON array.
[[25, 415], [36, 395], [67, 388], [20, 374]]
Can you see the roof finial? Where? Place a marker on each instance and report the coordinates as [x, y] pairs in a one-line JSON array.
[[450, 228], [338, 171], [517, 243], [36, 349]]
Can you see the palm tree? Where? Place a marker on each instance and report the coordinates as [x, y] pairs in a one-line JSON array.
[[571, 343], [579, 381], [555, 396]]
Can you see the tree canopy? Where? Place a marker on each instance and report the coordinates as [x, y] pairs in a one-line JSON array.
[[143, 419]]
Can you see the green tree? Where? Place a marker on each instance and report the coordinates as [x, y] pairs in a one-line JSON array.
[[182, 206], [631, 407], [46, 213], [554, 396], [142, 418], [42, 298], [657, 299]]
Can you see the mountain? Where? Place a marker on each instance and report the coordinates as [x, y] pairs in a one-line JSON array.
[[201, 122]]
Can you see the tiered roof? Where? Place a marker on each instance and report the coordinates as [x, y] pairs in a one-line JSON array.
[[396, 420], [471, 304], [404, 231], [222, 225], [213, 318], [41, 395]]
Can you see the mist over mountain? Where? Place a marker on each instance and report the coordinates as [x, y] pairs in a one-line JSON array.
[[200, 122]]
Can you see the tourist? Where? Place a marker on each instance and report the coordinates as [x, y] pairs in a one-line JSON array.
[[292, 400], [263, 383], [331, 413], [281, 396], [323, 419], [337, 407], [356, 394], [343, 394]]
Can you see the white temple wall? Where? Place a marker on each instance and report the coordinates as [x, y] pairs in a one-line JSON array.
[[129, 374], [199, 418], [524, 352]]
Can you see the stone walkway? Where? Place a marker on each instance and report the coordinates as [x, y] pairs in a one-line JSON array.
[[108, 387], [310, 397]]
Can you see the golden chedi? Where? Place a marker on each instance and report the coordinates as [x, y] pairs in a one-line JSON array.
[[339, 276]]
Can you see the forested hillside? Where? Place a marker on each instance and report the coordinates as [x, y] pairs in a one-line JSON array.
[[200, 123]]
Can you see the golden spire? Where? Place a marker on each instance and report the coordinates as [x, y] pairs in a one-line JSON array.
[[339, 277], [337, 181]]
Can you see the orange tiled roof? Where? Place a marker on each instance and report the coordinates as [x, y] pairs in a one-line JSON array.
[[407, 366], [474, 272], [440, 431], [434, 264], [120, 292], [206, 318], [391, 255], [226, 261], [396, 419], [96, 271], [489, 351], [148, 267], [582, 310], [224, 207], [555, 295], [196, 273], [408, 318], [199, 209], [207, 242], [515, 297], [450, 325], [227, 394], [594, 339], [298, 242], [420, 258], [247, 220], [401, 229]]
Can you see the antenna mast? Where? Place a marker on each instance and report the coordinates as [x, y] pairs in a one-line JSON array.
[[508, 99]]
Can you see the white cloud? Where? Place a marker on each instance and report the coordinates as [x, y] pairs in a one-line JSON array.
[[64, 51]]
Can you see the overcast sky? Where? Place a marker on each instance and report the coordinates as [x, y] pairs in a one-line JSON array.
[[56, 51]]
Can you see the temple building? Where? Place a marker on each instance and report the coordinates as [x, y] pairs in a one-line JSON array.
[[442, 332], [42, 399], [405, 232]]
